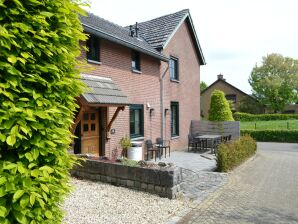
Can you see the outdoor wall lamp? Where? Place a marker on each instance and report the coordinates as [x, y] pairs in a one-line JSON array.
[[151, 110], [166, 111]]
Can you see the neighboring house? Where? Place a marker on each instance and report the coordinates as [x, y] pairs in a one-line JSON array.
[[232, 94], [143, 83], [291, 109]]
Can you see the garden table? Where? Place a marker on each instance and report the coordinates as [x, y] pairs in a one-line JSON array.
[[214, 139]]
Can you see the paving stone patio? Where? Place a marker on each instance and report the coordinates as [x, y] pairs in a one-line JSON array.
[[199, 180], [262, 190], [192, 161]]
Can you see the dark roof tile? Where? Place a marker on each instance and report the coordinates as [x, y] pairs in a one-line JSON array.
[[103, 28]]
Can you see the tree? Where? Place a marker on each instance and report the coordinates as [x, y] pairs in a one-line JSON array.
[[39, 42], [203, 86], [251, 106], [219, 107], [275, 81]]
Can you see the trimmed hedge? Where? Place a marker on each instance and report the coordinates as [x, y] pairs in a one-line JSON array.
[[234, 153], [219, 107], [290, 136], [238, 116]]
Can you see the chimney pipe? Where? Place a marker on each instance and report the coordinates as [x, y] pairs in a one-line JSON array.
[[131, 31], [220, 77], [137, 30]]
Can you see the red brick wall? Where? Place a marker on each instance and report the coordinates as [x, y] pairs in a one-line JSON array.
[[140, 88], [145, 88], [187, 91]]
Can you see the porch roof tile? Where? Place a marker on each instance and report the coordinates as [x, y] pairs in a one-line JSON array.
[[101, 90]]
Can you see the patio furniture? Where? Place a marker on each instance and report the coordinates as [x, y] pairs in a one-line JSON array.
[[153, 149], [194, 142], [163, 145], [191, 142], [213, 139]]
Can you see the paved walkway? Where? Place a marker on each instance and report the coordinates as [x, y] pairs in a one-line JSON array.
[[192, 161], [263, 190]]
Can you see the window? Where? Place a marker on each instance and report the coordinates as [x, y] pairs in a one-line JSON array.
[[231, 97], [93, 46], [174, 74], [136, 114], [135, 61], [174, 119]]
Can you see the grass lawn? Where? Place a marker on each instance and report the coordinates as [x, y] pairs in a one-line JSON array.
[[263, 125]]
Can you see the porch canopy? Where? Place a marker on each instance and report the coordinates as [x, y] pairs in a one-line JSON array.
[[101, 92]]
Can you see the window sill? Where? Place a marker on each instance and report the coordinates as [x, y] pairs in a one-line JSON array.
[[137, 139], [175, 137], [94, 62], [175, 80], [136, 71]]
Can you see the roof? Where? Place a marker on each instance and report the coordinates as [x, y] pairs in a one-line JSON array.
[[159, 31], [230, 85], [102, 90], [107, 30]]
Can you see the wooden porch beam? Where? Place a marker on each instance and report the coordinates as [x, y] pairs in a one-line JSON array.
[[113, 118], [77, 120]]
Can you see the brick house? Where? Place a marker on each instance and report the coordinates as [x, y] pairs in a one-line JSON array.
[[142, 84], [232, 93]]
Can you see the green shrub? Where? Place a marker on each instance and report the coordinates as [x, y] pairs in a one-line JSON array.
[[39, 42], [129, 162], [290, 136], [238, 116], [235, 152], [219, 107]]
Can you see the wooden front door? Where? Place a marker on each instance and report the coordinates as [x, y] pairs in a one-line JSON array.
[[90, 132]]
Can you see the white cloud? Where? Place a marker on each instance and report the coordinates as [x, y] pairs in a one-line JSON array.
[[234, 34]]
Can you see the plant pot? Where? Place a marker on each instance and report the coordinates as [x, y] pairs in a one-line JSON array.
[[135, 152]]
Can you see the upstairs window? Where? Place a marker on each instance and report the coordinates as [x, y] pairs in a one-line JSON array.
[[231, 97], [136, 118], [135, 61], [94, 48], [174, 119], [174, 74]]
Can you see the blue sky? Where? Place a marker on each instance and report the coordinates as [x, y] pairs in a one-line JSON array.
[[234, 34]]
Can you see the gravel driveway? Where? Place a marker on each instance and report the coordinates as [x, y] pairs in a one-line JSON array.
[[96, 202]]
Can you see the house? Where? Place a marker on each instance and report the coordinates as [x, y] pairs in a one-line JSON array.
[[291, 109], [142, 84], [232, 93]]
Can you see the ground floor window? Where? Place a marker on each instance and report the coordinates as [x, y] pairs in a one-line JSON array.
[[174, 119], [136, 117]]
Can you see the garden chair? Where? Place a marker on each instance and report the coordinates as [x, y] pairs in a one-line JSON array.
[[153, 149], [163, 144], [191, 142], [195, 143]]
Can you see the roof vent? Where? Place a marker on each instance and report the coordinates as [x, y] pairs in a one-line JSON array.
[[131, 31], [220, 77], [137, 30], [134, 30]]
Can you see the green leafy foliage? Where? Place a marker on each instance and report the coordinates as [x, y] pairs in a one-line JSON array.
[[250, 105], [203, 86], [290, 136], [219, 107], [129, 162], [39, 42], [238, 116], [234, 153], [275, 81]]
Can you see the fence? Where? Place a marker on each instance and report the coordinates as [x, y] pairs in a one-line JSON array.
[[216, 127]]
